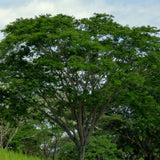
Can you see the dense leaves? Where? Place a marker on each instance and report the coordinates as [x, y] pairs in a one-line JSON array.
[[99, 148]]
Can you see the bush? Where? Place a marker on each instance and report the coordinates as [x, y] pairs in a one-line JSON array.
[[99, 148]]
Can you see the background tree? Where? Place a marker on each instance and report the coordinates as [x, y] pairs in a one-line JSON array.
[[39, 137], [9, 121], [99, 148]]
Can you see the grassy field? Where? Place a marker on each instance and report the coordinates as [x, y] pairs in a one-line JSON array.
[[9, 155]]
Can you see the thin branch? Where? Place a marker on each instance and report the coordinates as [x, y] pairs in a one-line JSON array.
[[45, 51], [61, 124]]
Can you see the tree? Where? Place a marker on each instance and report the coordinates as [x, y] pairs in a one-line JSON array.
[[39, 138], [7, 132], [138, 135], [51, 139], [9, 122], [73, 70]]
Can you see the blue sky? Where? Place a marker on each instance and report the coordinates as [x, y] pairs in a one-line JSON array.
[[8, 3], [13, 3], [126, 12]]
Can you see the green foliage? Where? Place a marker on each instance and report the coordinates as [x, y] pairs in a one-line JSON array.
[[26, 139], [99, 147], [38, 138], [68, 152], [102, 148], [141, 136]]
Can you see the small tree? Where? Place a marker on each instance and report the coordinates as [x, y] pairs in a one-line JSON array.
[[73, 70], [7, 132], [9, 121]]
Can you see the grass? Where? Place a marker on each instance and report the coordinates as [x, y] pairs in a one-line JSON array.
[[10, 155]]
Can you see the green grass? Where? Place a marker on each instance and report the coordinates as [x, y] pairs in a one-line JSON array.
[[10, 155]]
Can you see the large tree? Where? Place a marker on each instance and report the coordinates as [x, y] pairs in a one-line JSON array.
[[73, 70]]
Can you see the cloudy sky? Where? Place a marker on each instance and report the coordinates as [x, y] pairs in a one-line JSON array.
[[131, 12]]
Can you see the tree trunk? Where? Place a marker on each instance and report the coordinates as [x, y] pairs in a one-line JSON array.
[[54, 156], [14, 131], [149, 157], [81, 152]]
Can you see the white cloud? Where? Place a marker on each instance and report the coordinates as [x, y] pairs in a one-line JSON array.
[[135, 14], [28, 10]]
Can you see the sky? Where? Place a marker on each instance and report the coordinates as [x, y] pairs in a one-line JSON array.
[[126, 12]]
